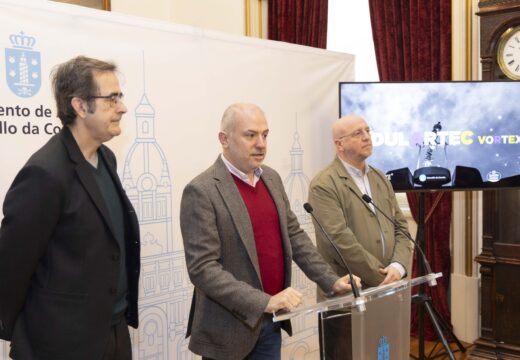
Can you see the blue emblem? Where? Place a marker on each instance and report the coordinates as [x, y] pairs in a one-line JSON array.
[[383, 349], [22, 65]]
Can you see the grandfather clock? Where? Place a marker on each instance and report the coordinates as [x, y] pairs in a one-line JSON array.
[[500, 256], [499, 39]]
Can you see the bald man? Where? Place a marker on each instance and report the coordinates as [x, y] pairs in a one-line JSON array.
[[375, 249], [240, 236]]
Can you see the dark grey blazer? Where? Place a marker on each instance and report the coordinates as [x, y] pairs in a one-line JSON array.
[[228, 302], [59, 259]]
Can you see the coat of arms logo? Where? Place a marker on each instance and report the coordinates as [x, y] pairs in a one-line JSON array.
[[383, 349], [23, 66]]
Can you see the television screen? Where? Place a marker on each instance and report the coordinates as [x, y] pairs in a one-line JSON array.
[[441, 135]]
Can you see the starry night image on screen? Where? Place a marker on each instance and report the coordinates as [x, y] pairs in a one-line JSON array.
[[471, 130]]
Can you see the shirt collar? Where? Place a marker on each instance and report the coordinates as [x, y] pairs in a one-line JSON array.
[[353, 170], [240, 174]]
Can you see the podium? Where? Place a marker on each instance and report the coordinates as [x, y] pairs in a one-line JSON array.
[[379, 320]]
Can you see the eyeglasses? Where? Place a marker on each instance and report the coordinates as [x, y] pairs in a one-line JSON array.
[[114, 99], [358, 134]]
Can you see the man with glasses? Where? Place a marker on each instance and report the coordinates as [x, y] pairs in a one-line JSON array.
[[375, 249], [69, 239]]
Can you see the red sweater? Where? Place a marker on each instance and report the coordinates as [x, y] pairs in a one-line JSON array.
[[266, 228]]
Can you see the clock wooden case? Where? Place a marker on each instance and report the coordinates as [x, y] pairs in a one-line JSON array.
[[500, 257], [498, 19]]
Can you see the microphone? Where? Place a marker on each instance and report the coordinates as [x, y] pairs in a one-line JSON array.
[[355, 289], [368, 200]]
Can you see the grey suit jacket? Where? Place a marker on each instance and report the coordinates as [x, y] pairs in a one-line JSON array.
[[228, 303], [353, 226]]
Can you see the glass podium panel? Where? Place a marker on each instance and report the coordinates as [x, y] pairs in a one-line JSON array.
[[375, 325]]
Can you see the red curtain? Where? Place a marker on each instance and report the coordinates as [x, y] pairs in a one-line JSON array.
[[301, 22], [412, 41]]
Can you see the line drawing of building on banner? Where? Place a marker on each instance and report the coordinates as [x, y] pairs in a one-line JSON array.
[[302, 344], [297, 185], [164, 287]]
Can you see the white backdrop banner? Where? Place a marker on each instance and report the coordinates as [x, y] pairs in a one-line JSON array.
[[177, 82]]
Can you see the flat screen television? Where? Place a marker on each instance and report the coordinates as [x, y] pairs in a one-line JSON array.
[[441, 135]]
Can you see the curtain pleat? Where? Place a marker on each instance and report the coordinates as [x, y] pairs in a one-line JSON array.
[[302, 22], [412, 41]]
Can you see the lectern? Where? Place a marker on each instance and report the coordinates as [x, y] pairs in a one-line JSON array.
[[380, 319]]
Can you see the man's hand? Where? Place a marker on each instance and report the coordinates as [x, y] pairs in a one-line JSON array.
[[287, 299], [342, 285], [391, 275]]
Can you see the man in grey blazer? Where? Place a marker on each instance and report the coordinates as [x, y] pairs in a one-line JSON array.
[[240, 236], [373, 247], [69, 240]]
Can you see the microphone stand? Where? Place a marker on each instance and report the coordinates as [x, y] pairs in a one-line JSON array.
[[308, 208], [423, 300], [424, 260], [360, 301]]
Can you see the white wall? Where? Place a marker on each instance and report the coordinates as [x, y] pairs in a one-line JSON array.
[[467, 208], [154, 9], [350, 31], [222, 15]]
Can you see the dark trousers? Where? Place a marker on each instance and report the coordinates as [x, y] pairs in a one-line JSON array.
[[269, 343], [119, 346], [335, 336]]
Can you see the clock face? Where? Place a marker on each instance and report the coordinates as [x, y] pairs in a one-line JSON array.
[[509, 53]]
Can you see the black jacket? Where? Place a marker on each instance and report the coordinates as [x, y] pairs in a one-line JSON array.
[[59, 259]]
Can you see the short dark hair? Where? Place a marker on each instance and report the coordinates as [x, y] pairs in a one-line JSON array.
[[75, 78]]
